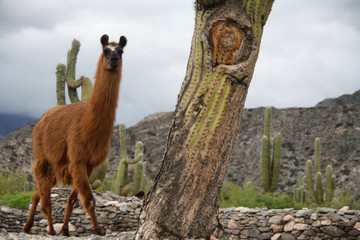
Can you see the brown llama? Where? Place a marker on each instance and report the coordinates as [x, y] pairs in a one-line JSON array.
[[71, 140]]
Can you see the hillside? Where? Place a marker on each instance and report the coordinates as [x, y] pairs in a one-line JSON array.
[[336, 122]]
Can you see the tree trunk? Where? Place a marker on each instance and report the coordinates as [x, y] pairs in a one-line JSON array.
[[183, 203]]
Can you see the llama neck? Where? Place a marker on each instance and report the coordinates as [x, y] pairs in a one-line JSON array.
[[99, 116]]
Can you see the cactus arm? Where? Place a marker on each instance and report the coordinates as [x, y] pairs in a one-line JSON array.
[[138, 177], [319, 188], [330, 182], [302, 195], [309, 178], [86, 89], [122, 141], [317, 155], [96, 184], [121, 177], [138, 158], [265, 162], [70, 73], [276, 162], [267, 126], [98, 174], [60, 84], [127, 190]]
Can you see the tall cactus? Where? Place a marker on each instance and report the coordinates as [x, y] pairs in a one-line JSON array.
[[122, 185], [299, 191], [270, 165], [67, 73], [317, 192], [98, 175]]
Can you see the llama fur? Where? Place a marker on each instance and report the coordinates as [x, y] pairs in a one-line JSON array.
[[71, 140]]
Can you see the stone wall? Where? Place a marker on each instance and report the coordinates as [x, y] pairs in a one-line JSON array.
[[117, 215]]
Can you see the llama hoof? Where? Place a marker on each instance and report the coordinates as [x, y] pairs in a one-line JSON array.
[[52, 232], [99, 232], [27, 228], [65, 232]]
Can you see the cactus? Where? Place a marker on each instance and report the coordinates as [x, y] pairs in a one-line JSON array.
[[299, 191], [122, 185], [330, 184], [270, 166], [317, 192], [98, 175], [67, 73]]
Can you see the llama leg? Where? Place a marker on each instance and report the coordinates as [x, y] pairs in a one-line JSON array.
[[45, 208], [69, 208], [35, 201], [81, 183]]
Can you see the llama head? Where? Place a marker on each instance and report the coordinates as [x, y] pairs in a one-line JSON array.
[[112, 52]]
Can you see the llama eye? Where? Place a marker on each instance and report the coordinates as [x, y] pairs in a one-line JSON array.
[[120, 52], [106, 51]]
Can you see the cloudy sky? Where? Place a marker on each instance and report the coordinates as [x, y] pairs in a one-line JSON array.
[[310, 51]]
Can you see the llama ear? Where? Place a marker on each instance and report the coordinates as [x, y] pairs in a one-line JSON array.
[[104, 40], [122, 41]]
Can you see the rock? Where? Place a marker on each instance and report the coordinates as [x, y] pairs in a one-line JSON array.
[[326, 222], [253, 232], [232, 225], [265, 235], [288, 218], [277, 219], [326, 210], [276, 236], [289, 226], [314, 216], [277, 228], [357, 226], [301, 226], [287, 236], [303, 213], [344, 208], [333, 231]]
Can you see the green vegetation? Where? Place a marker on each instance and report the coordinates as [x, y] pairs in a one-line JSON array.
[[15, 192], [250, 196], [270, 163]]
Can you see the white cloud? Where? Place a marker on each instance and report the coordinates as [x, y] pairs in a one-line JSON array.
[[309, 51]]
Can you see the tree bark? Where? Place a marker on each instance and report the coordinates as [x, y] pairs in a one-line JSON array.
[[184, 200]]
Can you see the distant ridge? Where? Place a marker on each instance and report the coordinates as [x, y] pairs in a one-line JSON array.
[[335, 121], [11, 122], [346, 99]]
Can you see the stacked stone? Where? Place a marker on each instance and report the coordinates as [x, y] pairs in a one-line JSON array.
[[114, 213], [288, 224], [118, 217], [11, 219]]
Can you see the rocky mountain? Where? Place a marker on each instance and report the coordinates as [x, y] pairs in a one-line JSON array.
[[335, 121], [353, 99]]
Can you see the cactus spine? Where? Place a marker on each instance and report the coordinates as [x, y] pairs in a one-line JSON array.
[[122, 185], [317, 193], [98, 175], [67, 73], [270, 166]]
